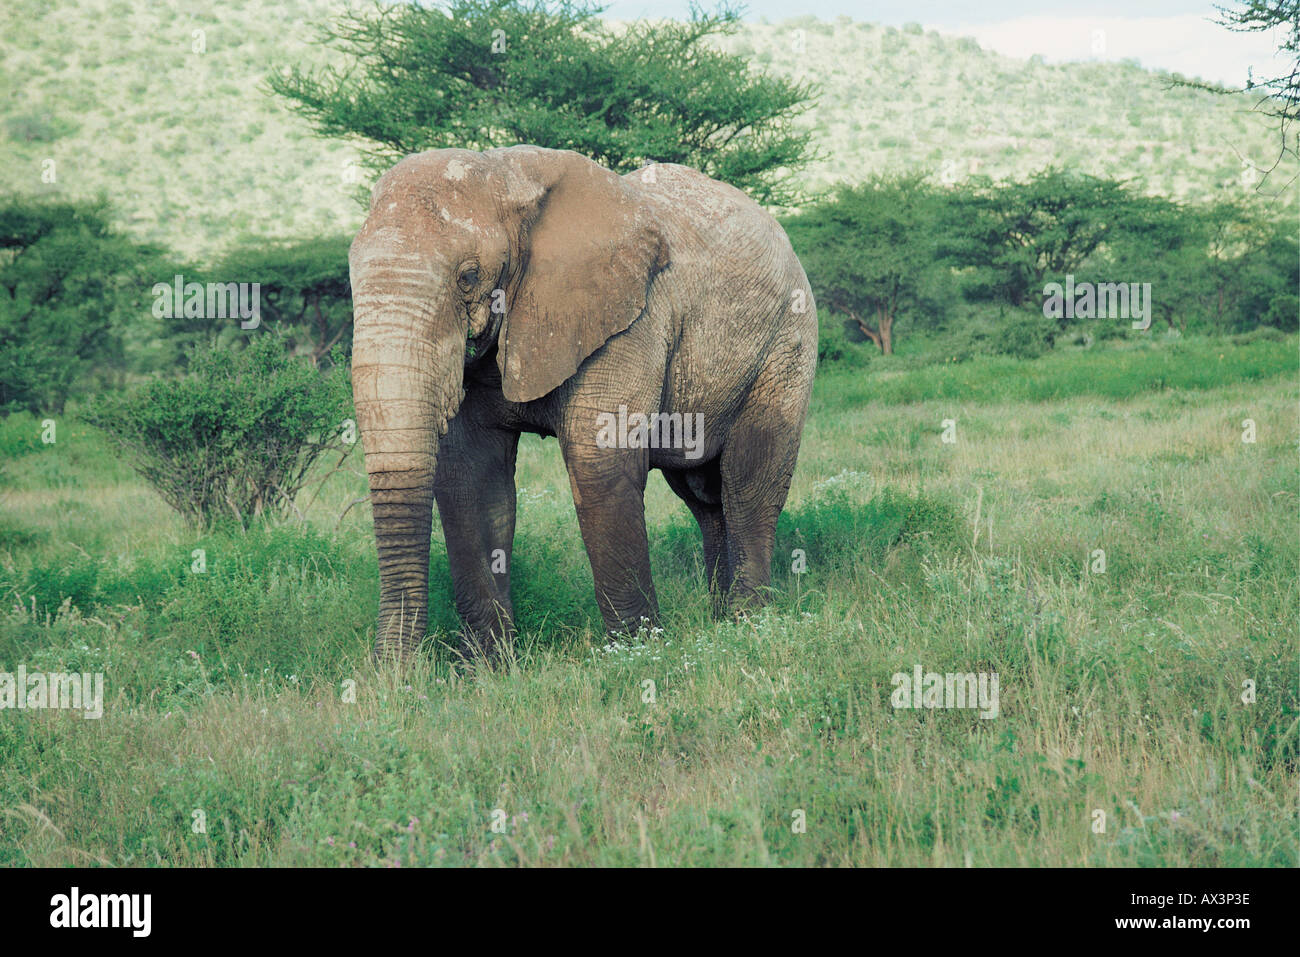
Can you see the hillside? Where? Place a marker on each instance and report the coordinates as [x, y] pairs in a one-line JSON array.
[[194, 153]]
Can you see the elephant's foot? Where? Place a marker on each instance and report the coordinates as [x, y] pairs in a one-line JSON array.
[[633, 631], [398, 638], [399, 653], [743, 599], [487, 646]]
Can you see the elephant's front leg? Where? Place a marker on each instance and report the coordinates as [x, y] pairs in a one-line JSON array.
[[475, 490], [609, 494]]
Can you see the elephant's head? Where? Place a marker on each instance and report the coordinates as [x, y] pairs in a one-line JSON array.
[[540, 253]]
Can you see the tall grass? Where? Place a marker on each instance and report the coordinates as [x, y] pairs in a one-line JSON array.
[[245, 693]]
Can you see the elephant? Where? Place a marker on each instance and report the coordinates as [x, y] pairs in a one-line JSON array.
[[523, 289]]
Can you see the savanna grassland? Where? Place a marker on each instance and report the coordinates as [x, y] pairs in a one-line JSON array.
[[246, 692]]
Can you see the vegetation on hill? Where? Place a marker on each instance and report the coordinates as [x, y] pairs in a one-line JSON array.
[[165, 108]]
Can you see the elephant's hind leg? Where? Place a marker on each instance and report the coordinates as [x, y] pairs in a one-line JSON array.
[[701, 490], [755, 467]]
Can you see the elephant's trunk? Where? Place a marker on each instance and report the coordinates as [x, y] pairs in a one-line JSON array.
[[407, 370]]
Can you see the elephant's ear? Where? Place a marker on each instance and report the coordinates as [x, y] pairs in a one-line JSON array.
[[591, 252]]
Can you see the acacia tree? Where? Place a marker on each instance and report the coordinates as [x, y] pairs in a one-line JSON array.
[[1281, 93], [1016, 235], [868, 251], [305, 289], [1249, 269], [1160, 241], [484, 73]]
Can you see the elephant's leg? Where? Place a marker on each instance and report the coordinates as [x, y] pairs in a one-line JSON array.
[[609, 495], [475, 490], [701, 490], [756, 465]]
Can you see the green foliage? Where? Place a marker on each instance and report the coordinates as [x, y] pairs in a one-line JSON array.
[[972, 261], [235, 436], [1251, 276], [305, 293], [1224, 266], [997, 330], [1155, 240], [71, 286], [869, 250], [836, 344], [1014, 235], [1027, 335], [487, 73]]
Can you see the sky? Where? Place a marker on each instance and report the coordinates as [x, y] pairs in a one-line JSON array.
[[1175, 35]]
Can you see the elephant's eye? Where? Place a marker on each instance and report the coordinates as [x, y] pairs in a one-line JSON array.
[[468, 279]]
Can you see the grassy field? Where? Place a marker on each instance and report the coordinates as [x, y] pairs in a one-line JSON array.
[[245, 692]]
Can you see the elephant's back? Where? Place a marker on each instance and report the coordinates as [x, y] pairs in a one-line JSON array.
[[738, 300], [739, 250], [716, 210]]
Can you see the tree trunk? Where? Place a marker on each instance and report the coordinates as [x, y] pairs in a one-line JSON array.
[[866, 330]]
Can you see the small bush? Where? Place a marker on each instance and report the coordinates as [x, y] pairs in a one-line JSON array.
[[234, 437], [1262, 333], [38, 128], [1019, 333], [1026, 335], [836, 344]]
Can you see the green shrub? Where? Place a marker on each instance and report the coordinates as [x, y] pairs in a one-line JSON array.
[[982, 330], [834, 343], [234, 437], [1261, 333], [1026, 335], [73, 286]]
